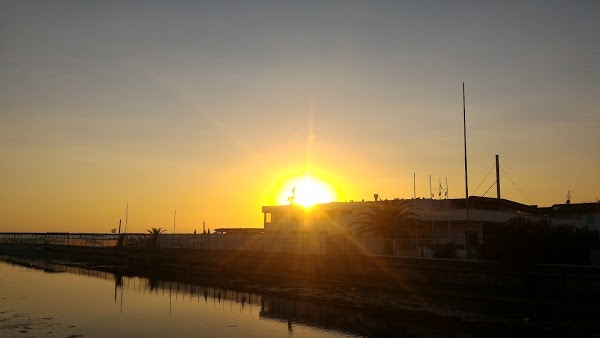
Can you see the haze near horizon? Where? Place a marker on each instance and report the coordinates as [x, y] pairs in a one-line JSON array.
[[210, 108]]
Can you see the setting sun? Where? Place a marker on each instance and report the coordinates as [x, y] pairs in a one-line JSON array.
[[306, 191]]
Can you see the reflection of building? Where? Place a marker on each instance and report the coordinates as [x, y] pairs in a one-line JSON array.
[[442, 220], [354, 320], [317, 314]]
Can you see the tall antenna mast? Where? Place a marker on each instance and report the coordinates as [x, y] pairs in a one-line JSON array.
[[466, 172]]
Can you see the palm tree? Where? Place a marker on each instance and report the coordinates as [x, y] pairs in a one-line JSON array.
[[154, 233], [387, 218]]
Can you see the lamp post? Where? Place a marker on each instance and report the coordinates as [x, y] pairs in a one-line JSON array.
[[174, 217]]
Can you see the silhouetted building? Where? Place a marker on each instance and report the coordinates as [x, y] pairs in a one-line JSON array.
[[442, 221], [588, 214]]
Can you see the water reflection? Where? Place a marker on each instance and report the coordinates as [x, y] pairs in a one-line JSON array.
[[131, 294], [126, 288]]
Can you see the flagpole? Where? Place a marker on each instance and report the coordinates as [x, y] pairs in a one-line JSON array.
[[174, 216], [466, 173], [430, 190], [414, 185], [126, 212]]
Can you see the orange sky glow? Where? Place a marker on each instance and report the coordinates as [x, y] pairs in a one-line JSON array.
[[211, 110]]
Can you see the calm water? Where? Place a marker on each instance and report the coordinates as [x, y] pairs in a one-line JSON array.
[[52, 300], [70, 302]]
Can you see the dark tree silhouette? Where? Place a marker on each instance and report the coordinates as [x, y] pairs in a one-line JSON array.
[[387, 218], [154, 233], [523, 240]]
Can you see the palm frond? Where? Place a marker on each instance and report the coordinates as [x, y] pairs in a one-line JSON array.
[[386, 218]]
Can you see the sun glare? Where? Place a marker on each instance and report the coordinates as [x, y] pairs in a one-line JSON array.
[[306, 191]]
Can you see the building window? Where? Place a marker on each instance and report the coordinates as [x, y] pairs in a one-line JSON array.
[[268, 217]]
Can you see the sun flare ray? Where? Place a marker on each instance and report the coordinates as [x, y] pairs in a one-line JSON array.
[[306, 191]]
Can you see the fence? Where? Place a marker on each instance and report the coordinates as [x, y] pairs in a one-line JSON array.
[[320, 244], [72, 239]]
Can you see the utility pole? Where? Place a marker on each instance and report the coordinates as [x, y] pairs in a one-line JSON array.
[[466, 172], [498, 176]]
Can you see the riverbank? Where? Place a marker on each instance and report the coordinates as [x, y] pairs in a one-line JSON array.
[[335, 280], [299, 305], [431, 315], [543, 282]]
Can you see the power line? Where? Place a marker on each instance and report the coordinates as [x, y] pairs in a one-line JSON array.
[[516, 185], [488, 189], [486, 176]]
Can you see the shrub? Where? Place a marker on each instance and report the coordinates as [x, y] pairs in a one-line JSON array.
[[525, 241], [446, 250]]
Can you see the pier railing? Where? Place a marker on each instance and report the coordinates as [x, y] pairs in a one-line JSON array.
[[59, 238], [321, 244]]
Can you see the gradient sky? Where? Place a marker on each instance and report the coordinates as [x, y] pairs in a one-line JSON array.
[[204, 107]]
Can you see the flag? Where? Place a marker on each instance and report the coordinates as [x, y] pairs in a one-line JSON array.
[[113, 230]]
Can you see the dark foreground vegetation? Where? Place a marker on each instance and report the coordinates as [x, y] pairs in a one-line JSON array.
[[524, 241]]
